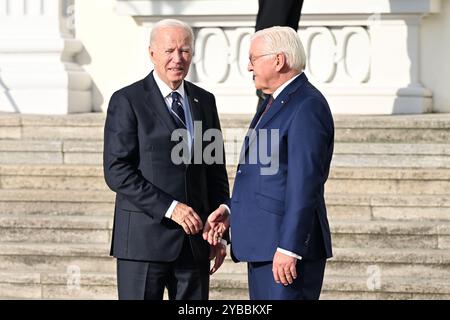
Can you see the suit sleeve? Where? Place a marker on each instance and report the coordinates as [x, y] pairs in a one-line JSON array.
[[309, 138], [121, 158], [218, 186]]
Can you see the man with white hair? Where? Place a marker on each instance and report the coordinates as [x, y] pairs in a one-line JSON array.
[[162, 203], [278, 217]]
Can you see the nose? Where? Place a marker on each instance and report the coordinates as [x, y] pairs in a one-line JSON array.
[[249, 66], [177, 56]]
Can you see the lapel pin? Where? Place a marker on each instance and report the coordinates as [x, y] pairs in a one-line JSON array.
[[195, 99]]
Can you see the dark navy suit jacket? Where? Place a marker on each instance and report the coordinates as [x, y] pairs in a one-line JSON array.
[[285, 209], [139, 168]]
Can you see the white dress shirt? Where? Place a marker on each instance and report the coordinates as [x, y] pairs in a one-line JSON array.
[[166, 92]]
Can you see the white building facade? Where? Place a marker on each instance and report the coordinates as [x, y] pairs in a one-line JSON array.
[[366, 56]]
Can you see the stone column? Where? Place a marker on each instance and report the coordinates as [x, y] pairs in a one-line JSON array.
[[38, 70]]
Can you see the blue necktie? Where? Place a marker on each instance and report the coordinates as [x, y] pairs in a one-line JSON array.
[[178, 111]]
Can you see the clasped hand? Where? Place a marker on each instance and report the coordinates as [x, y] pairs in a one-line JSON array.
[[186, 217], [217, 223], [215, 226]]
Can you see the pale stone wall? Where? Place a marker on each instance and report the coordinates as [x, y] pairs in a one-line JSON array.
[[115, 48], [367, 56]]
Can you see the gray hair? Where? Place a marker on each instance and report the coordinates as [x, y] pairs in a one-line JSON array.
[[284, 40], [171, 23]]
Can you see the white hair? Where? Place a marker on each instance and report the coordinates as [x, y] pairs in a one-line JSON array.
[[283, 40], [171, 23]]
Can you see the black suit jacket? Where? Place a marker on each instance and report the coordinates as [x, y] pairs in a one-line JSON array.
[[278, 13], [138, 167]]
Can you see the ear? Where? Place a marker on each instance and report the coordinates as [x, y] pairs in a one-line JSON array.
[[280, 61], [151, 53]]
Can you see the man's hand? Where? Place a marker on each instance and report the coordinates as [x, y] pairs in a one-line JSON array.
[[186, 217], [283, 268], [218, 222], [219, 252]]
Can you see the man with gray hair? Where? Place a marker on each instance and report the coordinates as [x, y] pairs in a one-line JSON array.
[[162, 204], [279, 221]]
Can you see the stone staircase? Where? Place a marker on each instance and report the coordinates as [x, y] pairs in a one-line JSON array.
[[388, 198]]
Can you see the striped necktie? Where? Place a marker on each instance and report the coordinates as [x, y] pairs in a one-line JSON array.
[[178, 111], [269, 103]]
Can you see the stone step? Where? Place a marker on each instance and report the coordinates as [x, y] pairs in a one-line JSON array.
[[60, 257], [335, 267], [59, 229], [377, 173], [89, 151], [406, 181], [233, 146], [97, 229], [55, 207], [10, 126], [340, 206], [386, 288], [223, 287], [397, 155], [424, 128], [402, 181], [56, 202], [53, 257], [88, 126], [388, 207], [74, 285], [345, 154], [33, 285], [382, 200], [423, 149], [51, 152], [341, 179], [420, 265], [372, 255], [350, 128], [40, 152], [37, 195], [390, 234], [56, 257], [70, 285], [419, 121], [35, 176], [408, 263]]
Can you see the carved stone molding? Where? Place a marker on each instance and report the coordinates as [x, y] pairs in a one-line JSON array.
[[363, 54]]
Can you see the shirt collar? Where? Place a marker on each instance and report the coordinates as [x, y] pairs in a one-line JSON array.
[[165, 89], [284, 85]]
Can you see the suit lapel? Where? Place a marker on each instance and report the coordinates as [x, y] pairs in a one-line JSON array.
[[251, 133], [258, 114], [274, 109], [282, 99], [196, 114], [155, 101], [194, 102]]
